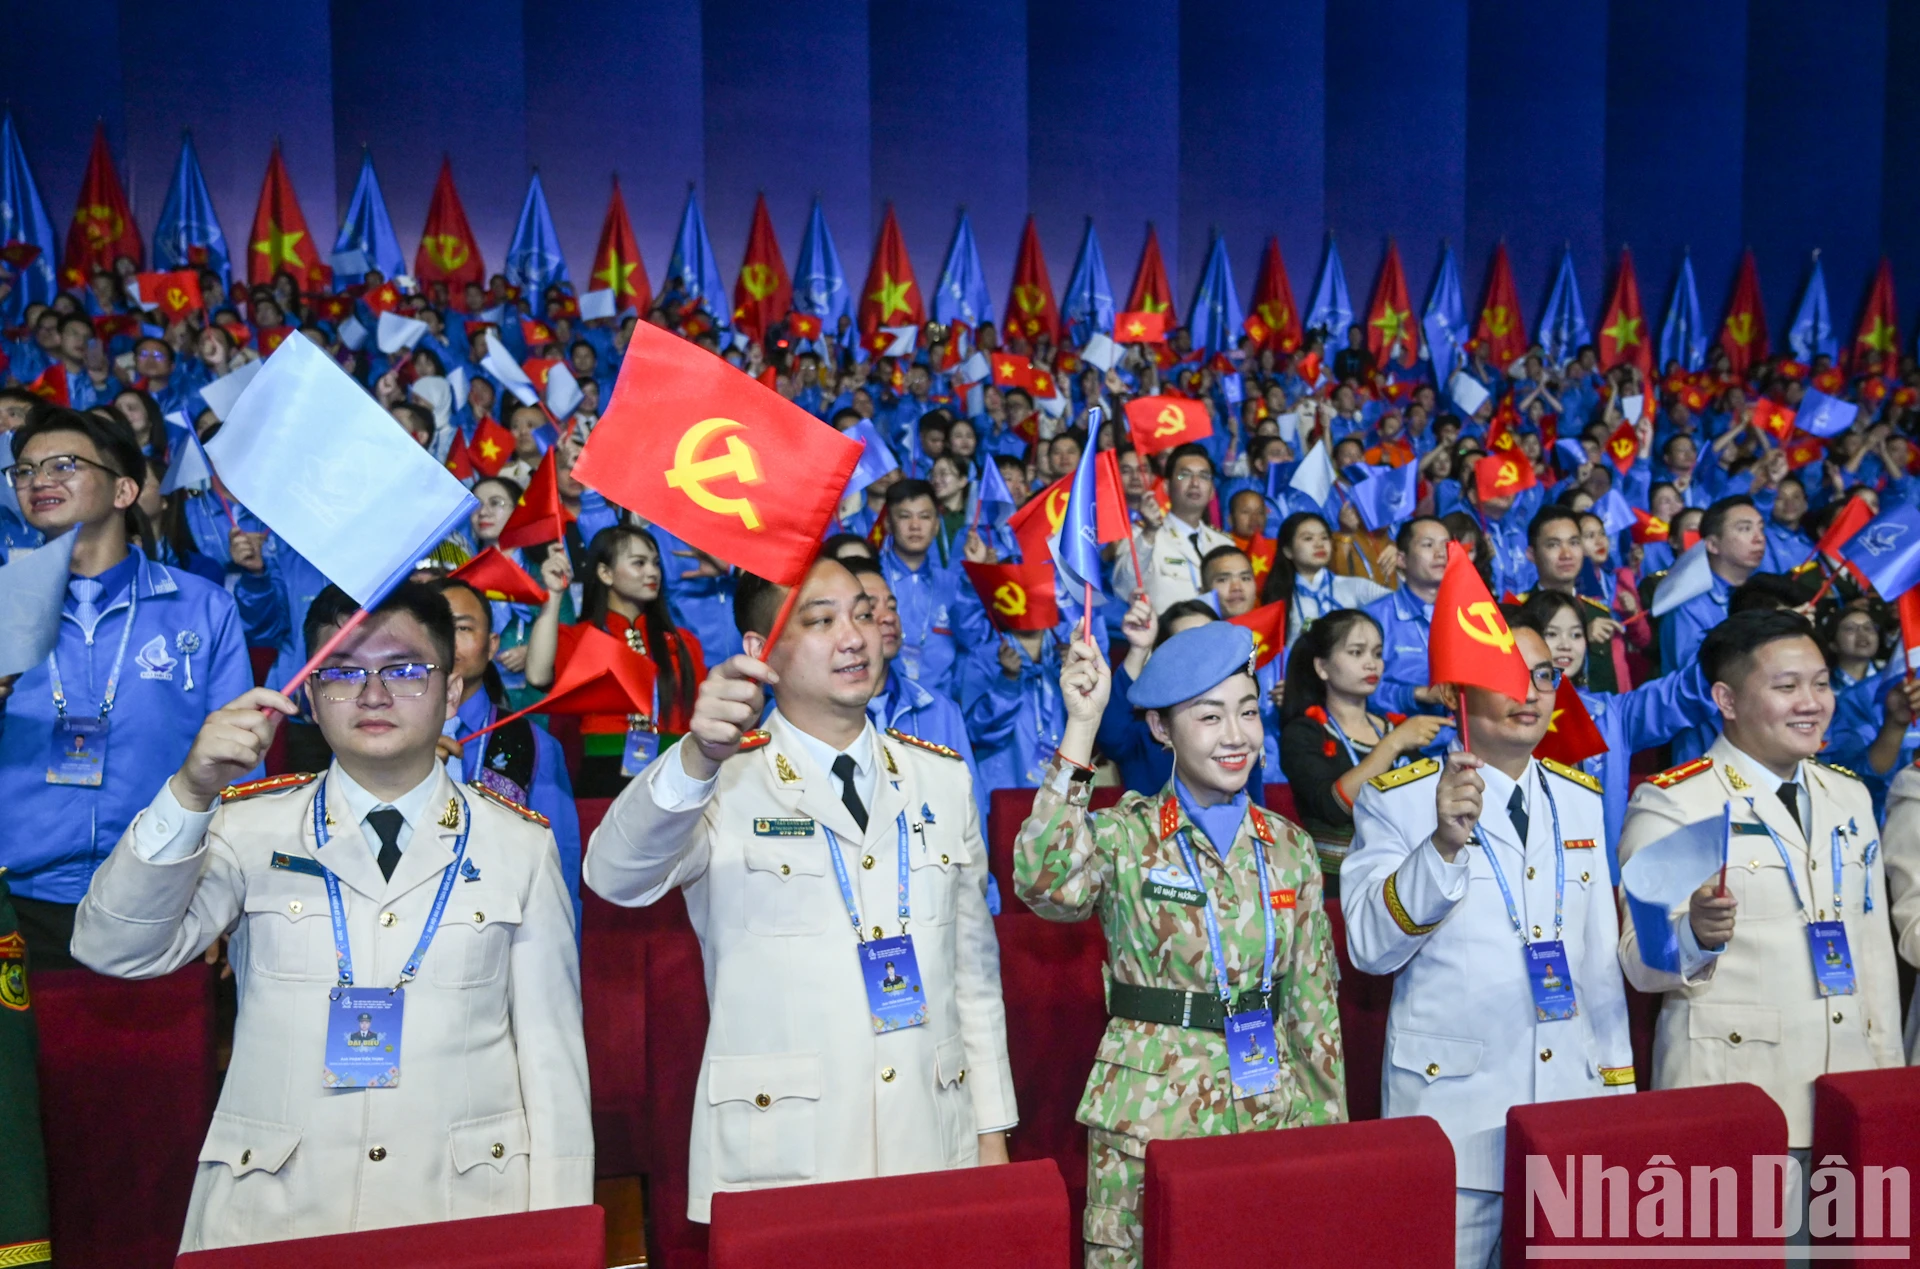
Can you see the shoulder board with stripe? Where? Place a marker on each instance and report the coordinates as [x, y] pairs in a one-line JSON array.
[[501, 799], [272, 784], [1835, 767], [758, 738], [927, 745], [1405, 775], [1685, 771], [1574, 774], [1169, 817]]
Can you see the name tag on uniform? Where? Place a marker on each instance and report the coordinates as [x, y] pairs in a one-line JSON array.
[[800, 827], [1832, 958], [363, 1038], [297, 863], [895, 996], [643, 746], [1551, 979], [1253, 1053], [1749, 830], [1173, 886], [79, 752]]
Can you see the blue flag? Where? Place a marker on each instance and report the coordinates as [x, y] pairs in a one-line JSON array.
[[1568, 454], [1331, 310], [693, 263], [1077, 550], [1215, 317], [23, 219], [366, 240], [1824, 416], [1615, 512], [533, 257], [1445, 321], [1887, 552], [1087, 304], [995, 499], [1812, 331], [819, 283], [1563, 328], [188, 235], [962, 293], [188, 466], [33, 589], [1663, 875], [1683, 338], [1387, 497], [876, 460]]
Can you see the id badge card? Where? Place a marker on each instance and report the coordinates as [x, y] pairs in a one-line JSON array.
[[1253, 1053], [643, 746], [363, 1038], [79, 752], [1551, 979], [1832, 958], [895, 996]]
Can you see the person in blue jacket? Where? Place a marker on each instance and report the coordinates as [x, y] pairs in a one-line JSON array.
[[1736, 542], [1406, 616], [145, 653], [1014, 711], [926, 587]]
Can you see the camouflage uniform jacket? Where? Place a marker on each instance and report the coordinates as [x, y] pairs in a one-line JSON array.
[[1152, 1081]]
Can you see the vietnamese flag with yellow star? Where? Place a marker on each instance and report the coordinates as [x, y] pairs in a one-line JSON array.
[[1273, 301], [890, 297], [1876, 344], [763, 292], [1269, 625], [448, 250], [280, 240], [1392, 331], [1744, 332], [102, 228], [1031, 311], [1500, 334], [1151, 292], [1571, 736], [1623, 330], [1140, 327], [492, 446], [617, 266]]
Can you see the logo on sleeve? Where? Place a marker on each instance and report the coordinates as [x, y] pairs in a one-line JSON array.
[[153, 660]]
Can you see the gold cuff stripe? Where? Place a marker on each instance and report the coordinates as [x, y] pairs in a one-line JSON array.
[[1615, 1076], [39, 1253], [1399, 913]]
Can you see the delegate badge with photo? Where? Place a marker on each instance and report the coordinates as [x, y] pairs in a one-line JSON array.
[[79, 752], [894, 993], [1832, 958], [1253, 1053], [363, 1038], [1552, 981], [643, 746]]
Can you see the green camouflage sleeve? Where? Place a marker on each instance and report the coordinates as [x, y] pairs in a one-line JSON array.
[[1059, 867], [1309, 1004]]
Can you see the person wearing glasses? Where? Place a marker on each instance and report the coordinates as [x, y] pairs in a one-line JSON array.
[[1482, 884], [145, 652], [1170, 547], [380, 886]]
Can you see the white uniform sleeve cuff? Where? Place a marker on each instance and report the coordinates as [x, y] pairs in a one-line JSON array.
[[673, 789], [1694, 959], [168, 832]]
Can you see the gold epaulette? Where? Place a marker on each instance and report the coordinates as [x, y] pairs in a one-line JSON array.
[[1405, 775], [927, 745], [501, 799], [1685, 771], [272, 784], [1574, 774], [1836, 767], [758, 738]]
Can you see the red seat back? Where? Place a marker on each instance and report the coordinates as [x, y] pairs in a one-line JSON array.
[[1010, 808], [1280, 801], [1871, 1119], [556, 1238]]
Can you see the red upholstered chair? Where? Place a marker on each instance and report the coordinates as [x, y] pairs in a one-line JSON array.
[[1338, 1196], [1280, 801], [1724, 1126], [1013, 1217], [1364, 1001], [127, 1086], [1010, 808], [1869, 1119], [558, 1238]]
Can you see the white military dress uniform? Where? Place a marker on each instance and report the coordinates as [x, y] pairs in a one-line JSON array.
[[1753, 1013], [1901, 847], [1171, 559], [491, 1115], [1464, 1039], [795, 1085]]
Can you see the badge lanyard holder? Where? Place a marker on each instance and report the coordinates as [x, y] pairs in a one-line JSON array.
[[1826, 940], [643, 739], [1253, 1046], [896, 998], [79, 754], [364, 1027], [1549, 973]]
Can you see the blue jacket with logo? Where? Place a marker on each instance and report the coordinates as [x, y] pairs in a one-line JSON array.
[[927, 597]]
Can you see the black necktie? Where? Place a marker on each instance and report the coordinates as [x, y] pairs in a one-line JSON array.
[[850, 796], [1790, 795], [1517, 812], [386, 821]]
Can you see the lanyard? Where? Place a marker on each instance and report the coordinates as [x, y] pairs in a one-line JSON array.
[[1559, 871], [1341, 735], [113, 676], [474, 756], [1213, 918], [1786, 861], [338, 912], [1321, 593], [846, 883]]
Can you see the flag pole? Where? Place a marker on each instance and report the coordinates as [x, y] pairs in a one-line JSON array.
[[1466, 741], [326, 650], [502, 722]]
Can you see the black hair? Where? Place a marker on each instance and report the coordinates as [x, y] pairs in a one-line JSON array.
[[422, 416], [1163, 628], [1280, 576], [1219, 553], [664, 645], [1187, 449], [934, 421], [831, 548], [1771, 590], [1538, 612], [847, 414], [907, 490], [490, 680], [1550, 514], [1874, 610], [1305, 687], [1715, 519], [865, 566], [756, 603], [419, 600], [1730, 647], [112, 440], [1403, 537]]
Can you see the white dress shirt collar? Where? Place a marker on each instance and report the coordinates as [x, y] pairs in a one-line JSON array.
[[355, 803], [864, 751]]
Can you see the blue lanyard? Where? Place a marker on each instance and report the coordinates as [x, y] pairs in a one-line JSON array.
[[1213, 918], [1341, 735], [1559, 871], [1786, 861], [846, 883], [1321, 594], [338, 912], [113, 676], [474, 756]]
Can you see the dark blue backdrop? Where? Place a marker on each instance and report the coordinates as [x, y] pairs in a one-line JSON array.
[[1704, 127]]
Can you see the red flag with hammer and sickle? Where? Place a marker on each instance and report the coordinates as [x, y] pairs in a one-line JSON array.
[[175, 294], [1031, 311], [448, 250], [1017, 596], [1160, 423], [1470, 643], [102, 228], [763, 292], [1503, 474]]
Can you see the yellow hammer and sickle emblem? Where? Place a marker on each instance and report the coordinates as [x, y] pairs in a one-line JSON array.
[[690, 472], [1169, 421], [1029, 298], [1740, 328], [1623, 447], [1499, 321], [1259, 644], [1491, 627], [1509, 475], [1010, 599], [758, 279], [447, 250], [176, 297], [1056, 509]]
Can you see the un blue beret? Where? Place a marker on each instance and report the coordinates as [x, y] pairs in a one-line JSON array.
[[1192, 662]]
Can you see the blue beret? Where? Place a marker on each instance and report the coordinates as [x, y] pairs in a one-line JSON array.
[[1192, 662]]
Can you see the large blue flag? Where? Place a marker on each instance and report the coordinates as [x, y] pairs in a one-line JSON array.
[[1331, 310], [693, 263], [188, 234], [1445, 321], [1683, 338], [1563, 328], [1887, 552], [962, 293], [1087, 304], [1214, 320], [1824, 416], [1077, 550], [534, 261], [23, 221], [1812, 331], [1387, 497], [366, 240], [819, 283]]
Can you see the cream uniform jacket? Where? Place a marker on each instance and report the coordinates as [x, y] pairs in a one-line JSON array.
[[1464, 1041], [1901, 846], [1753, 1013], [795, 1085], [491, 1113], [1171, 559]]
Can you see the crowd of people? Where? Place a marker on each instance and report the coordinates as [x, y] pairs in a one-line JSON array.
[[1660, 551]]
